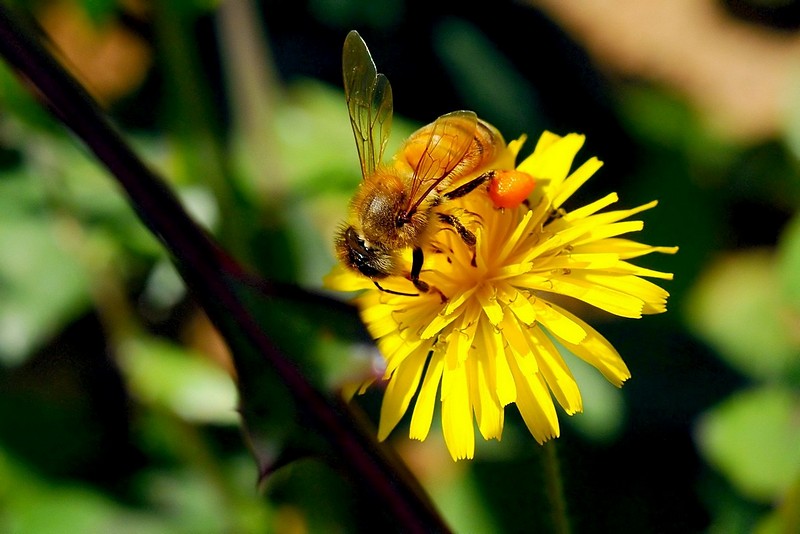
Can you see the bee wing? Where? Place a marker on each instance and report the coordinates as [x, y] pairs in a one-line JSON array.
[[450, 138], [369, 102]]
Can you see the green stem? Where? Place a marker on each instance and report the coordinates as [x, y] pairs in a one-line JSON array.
[[554, 487]]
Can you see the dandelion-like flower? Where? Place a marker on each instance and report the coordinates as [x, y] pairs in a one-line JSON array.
[[487, 337]]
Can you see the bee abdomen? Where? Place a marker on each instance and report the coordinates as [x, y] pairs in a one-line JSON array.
[[487, 143]]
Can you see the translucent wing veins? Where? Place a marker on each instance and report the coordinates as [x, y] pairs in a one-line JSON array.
[[369, 102], [448, 142]]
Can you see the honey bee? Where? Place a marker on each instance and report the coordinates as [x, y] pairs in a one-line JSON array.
[[401, 204]]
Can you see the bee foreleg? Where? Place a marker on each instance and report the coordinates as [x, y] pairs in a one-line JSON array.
[[391, 292], [416, 268], [469, 187], [417, 258]]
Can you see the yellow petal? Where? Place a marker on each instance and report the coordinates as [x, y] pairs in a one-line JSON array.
[[575, 180], [609, 217], [599, 225], [623, 267], [556, 373], [395, 350], [551, 160], [487, 408], [491, 340], [516, 145], [653, 296], [342, 279], [598, 352], [556, 161], [608, 230], [423, 409], [416, 316], [577, 260], [625, 248], [515, 334], [460, 341], [590, 209], [378, 319], [522, 228], [402, 387], [458, 300], [488, 300], [526, 361], [437, 324], [349, 389], [518, 303], [557, 323], [535, 404], [457, 427], [545, 141], [610, 300]]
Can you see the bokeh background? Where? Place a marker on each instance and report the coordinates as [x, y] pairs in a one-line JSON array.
[[117, 406]]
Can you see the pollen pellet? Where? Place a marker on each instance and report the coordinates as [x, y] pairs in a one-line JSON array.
[[508, 189]]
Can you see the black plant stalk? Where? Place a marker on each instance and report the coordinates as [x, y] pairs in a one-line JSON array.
[[205, 268]]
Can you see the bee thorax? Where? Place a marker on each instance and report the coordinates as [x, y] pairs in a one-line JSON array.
[[382, 218]]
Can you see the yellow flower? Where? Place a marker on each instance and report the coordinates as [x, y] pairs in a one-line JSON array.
[[492, 341]]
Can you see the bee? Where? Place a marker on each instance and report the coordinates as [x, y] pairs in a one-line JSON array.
[[401, 204]]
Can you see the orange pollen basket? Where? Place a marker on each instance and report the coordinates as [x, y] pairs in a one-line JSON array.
[[509, 189]]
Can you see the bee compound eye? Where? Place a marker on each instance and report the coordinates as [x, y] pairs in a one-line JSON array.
[[356, 242]]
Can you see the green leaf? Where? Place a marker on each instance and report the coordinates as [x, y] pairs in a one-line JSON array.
[[792, 121], [32, 504], [656, 116], [182, 382], [18, 103], [99, 11], [42, 286], [44, 282], [738, 308], [652, 114], [789, 264], [752, 439]]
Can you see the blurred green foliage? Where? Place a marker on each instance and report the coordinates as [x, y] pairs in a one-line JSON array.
[[118, 413]]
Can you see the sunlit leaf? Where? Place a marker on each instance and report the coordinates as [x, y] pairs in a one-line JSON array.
[[752, 438], [738, 307], [42, 286], [793, 120], [789, 264], [659, 117], [178, 380]]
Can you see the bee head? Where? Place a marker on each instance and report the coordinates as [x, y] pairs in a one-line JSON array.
[[371, 260]]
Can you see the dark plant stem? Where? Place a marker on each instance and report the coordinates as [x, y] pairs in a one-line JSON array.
[[555, 489], [206, 269]]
